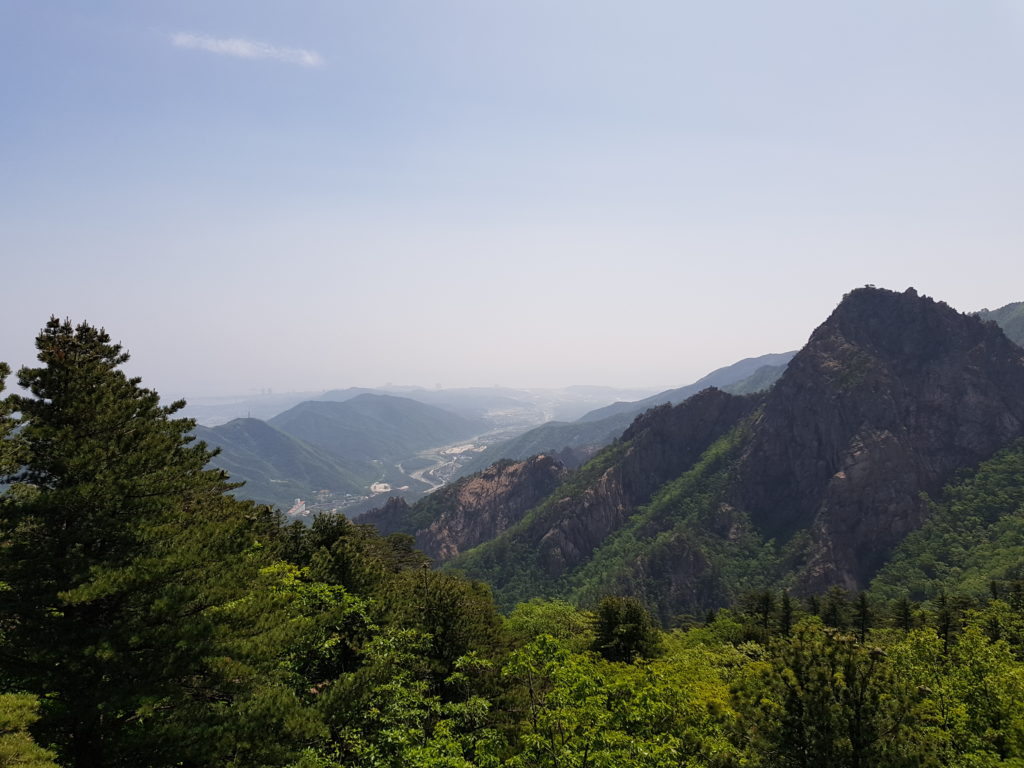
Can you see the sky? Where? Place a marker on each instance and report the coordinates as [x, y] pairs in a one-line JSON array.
[[310, 195]]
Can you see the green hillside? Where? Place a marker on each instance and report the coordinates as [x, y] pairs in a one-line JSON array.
[[1010, 318], [371, 426], [276, 467]]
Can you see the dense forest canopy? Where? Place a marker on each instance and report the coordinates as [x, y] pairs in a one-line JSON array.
[[148, 618]]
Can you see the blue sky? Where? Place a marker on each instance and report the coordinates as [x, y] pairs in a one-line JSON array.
[[308, 195]]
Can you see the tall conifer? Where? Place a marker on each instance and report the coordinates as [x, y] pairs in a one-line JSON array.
[[129, 601]]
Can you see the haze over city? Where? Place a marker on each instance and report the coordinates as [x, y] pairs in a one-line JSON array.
[[325, 194]]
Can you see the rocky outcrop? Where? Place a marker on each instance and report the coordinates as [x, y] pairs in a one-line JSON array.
[[892, 394], [473, 509], [393, 517], [478, 508]]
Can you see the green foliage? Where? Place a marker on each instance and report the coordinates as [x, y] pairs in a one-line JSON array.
[[820, 698], [563, 621], [580, 710], [624, 630], [388, 715], [135, 600], [974, 536], [17, 749], [457, 616], [9, 461], [971, 707]]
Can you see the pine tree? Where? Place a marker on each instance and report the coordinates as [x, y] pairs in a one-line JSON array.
[[624, 630], [130, 603], [835, 609], [785, 614], [863, 616], [904, 615]]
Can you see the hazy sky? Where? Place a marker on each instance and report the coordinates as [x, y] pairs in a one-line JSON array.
[[303, 195]]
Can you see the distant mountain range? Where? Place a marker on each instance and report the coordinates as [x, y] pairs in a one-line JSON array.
[[374, 427], [577, 441], [341, 447], [500, 406]]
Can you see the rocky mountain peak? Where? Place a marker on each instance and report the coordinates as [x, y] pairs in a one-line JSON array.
[[892, 393]]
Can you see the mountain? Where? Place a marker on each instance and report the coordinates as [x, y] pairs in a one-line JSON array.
[[473, 509], [215, 411], [470, 402], [582, 438], [276, 467], [374, 427], [1010, 318], [599, 427], [811, 484], [721, 378]]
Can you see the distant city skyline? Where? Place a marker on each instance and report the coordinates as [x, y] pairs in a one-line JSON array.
[[326, 194]]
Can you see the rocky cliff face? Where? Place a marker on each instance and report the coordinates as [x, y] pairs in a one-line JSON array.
[[478, 508], [473, 509], [890, 396]]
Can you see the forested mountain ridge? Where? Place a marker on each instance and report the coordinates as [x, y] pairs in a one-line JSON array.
[[811, 484]]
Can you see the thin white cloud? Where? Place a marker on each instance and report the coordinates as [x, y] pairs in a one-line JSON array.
[[247, 49]]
